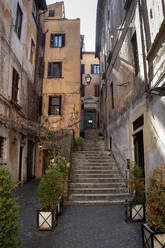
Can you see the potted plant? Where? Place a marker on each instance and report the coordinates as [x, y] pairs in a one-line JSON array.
[[135, 208], [49, 192], [9, 225], [59, 163], [79, 143], [153, 232]]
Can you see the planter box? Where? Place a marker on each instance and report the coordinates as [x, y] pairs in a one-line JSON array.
[[134, 212], [60, 206], [152, 239], [46, 220]]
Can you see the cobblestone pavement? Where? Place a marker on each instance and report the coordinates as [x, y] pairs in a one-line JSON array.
[[78, 227]]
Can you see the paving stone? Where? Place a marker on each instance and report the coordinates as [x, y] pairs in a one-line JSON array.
[[78, 226]]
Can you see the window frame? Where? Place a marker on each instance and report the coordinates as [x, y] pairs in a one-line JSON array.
[[52, 107], [18, 21], [51, 72], [57, 43]]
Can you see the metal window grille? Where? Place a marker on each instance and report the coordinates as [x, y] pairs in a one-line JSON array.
[[55, 69], [54, 105]]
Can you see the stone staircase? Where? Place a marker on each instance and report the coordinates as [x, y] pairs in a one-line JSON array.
[[95, 178]]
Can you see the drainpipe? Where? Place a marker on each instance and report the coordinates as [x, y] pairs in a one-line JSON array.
[[143, 47]]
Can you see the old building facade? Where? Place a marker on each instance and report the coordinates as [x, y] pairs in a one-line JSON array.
[[20, 84], [130, 45], [90, 93], [61, 86]]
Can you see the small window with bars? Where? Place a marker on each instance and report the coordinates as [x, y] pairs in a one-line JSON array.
[[55, 69], [1, 147], [15, 81], [95, 69], [57, 40], [54, 105]]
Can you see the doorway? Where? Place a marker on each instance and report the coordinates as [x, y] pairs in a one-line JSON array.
[[30, 160], [139, 149]]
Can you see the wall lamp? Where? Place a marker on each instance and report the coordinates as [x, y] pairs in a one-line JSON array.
[[88, 79], [159, 91]]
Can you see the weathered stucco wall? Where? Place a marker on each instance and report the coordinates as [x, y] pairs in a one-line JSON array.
[[68, 86]]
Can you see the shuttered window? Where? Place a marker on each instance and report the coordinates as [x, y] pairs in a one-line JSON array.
[[135, 53], [95, 69], [15, 80], [55, 69], [54, 105], [57, 40]]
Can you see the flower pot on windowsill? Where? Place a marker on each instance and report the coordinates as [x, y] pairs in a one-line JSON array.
[[134, 212], [46, 220], [60, 206], [152, 239]]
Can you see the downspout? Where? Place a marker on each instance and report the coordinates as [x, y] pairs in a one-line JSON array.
[[143, 47]]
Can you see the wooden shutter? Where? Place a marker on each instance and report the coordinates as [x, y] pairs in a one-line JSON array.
[[52, 40], [92, 69], [49, 69], [63, 40]]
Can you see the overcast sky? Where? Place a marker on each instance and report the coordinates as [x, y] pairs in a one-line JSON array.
[[86, 11]]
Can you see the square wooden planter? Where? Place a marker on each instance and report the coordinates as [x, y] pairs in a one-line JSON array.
[[152, 239], [134, 212], [60, 205], [46, 220]]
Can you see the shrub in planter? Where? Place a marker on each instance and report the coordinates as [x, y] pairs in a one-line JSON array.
[[135, 208], [9, 225], [79, 143], [49, 191], [154, 231]]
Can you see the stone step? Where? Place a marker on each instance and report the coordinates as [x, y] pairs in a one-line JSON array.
[[98, 165], [98, 185], [97, 171], [94, 167], [77, 153], [98, 196], [73, 176], [97, 190], [95, 202], [96, 180]]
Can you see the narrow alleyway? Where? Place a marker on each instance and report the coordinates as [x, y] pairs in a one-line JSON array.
[[98, 225], [78, 227]]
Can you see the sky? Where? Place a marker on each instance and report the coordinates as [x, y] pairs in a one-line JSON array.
[[86, 11]]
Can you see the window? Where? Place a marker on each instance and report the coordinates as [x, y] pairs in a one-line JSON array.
[[1, 147], [82, 90], [57, 40], [135, 53], [18, 23], [15, 81], [55, 69], [112, 95], [97, 90], [32, 52], [51, 13], [82, 69], [34, 9], [138, 122], [95, 69], [54, 105], [127, 4]]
